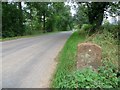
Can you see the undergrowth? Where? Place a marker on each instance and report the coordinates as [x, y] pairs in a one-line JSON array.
[[67, 59], [67, 76], [25, 36]]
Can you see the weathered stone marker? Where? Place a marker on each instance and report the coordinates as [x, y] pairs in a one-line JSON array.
[[88, 55]]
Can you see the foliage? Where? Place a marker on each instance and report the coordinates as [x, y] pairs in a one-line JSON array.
[[87, 78], [63, 20], [86, 27], [67, 59], [113, 8], [109, 46], [114, 29], [94, 12], [49, 16], [10, 21], [35, 34], [34, 17], [81, 16], [106, 77]]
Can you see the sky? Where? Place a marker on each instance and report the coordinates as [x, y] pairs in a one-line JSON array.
[[73, 11]]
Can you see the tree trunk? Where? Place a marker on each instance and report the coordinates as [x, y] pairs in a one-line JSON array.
[[21, 19], [31, 18], [96, 14], [44, 22]]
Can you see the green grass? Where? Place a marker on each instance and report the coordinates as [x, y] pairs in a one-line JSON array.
[[66, 74], [26, 36], [67, 58], [109, 46]]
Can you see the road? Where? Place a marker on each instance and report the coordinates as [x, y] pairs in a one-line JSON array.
[[30, 62]]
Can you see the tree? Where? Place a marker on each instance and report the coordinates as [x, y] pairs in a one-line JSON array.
[[34, 17], [62, 16], [95, 11], [81, 16], [10, 20], [42, 9], [21, 18], [33, 20]]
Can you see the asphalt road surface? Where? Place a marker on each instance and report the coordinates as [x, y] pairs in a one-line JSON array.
[[30, 62]]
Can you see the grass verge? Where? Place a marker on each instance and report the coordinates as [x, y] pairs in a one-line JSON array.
[[67, 58], [26, 36], [67, 76]]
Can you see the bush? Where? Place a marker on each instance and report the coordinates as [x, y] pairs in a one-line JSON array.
[[85, 29], [109, 46], [87, 78], [67, 59], [114, 29], [10, 21], [106, 77]]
